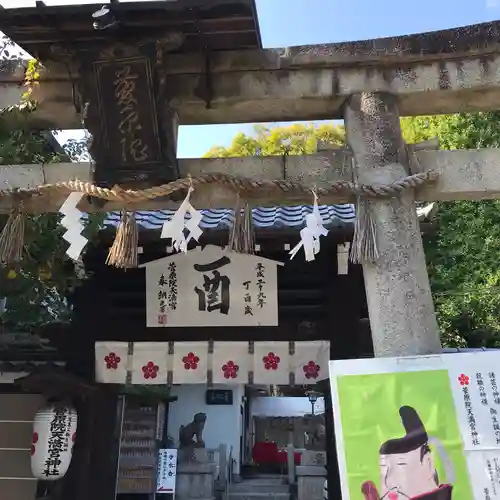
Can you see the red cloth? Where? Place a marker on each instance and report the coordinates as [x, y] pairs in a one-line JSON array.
[[265, 452], [282, 457]]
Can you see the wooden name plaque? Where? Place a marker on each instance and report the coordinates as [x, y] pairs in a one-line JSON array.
[[128, 111], [219, 397], [133, 141]]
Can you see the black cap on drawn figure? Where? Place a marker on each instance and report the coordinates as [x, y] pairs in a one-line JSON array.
[[416, 435]]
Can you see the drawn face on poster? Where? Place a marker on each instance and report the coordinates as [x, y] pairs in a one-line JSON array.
[[407, 465]]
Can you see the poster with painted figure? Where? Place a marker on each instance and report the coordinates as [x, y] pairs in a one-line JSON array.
[[418, 428]]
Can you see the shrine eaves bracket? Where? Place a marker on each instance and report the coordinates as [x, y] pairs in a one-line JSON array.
[[120, 52]]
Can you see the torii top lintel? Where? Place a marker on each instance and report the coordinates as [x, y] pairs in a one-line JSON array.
[[439, 72], [211, 24]]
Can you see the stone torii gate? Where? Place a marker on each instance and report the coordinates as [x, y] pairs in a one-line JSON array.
[[370, 84]]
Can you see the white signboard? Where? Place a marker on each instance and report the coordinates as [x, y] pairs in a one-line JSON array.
[[211, 287], [425, 427], [167, 471]]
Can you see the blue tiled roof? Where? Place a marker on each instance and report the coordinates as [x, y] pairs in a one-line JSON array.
[[272, 217]]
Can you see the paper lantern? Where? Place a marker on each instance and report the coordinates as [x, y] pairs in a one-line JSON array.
[[54, 432]]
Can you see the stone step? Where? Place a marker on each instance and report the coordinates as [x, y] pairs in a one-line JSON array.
[[258, 487], [261, 480], [182, 497], [265, 479], [267, 475], [258, 496]]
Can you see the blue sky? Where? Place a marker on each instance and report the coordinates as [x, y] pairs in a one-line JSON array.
[[298, 22]]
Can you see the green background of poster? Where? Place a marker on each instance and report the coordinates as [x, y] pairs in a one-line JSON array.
[[369, 411]]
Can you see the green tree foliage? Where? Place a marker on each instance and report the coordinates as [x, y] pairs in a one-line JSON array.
[[36, 290], [462, 253], [33, 289], [294, 139]]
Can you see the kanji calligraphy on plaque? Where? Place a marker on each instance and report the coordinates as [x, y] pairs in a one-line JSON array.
[[211, 287]]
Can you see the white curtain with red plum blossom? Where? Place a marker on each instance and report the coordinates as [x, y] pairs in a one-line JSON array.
[[271, 364], [231, 363], [111, 363], [190, 362], [310, 362], [150, 363], [263, 363]]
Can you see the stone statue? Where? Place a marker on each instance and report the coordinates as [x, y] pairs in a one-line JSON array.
[[318, 437], [191, 430]]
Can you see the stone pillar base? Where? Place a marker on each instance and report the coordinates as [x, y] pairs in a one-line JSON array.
[[311, 475], [310, 482], [196, 478]]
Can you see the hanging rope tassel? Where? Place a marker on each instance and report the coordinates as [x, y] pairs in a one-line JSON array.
[[233, 234], [364, 243], [241, 237], [12, 239], [248, 233], [123, 253]]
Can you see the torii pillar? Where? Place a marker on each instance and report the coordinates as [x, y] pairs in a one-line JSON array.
[[402, 316]]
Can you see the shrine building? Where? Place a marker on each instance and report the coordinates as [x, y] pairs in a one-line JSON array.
[[196, 361]]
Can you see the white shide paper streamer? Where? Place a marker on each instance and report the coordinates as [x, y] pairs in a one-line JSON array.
[[174, 228], [72, 221], [309, 236]]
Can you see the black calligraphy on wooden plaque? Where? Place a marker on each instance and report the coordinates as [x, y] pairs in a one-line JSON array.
[[131, 145], [128, 110]]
